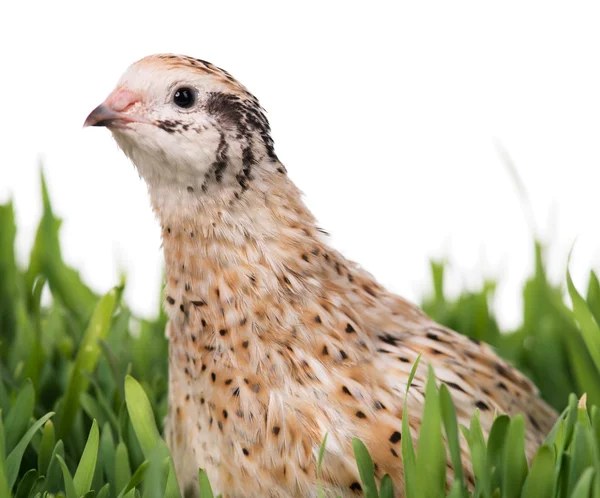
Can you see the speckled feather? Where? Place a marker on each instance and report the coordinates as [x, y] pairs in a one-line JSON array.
[[274, 337]]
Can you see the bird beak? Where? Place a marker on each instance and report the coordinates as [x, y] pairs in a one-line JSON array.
[[111, 113], [105, 116]]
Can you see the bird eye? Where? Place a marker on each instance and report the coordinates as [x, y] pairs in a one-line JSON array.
[[184, 97]]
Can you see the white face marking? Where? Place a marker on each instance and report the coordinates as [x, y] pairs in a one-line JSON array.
[[167, 155]]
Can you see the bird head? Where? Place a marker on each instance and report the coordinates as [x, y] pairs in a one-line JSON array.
[[186, 124]]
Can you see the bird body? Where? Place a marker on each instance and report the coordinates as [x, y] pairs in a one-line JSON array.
[[275, 339]]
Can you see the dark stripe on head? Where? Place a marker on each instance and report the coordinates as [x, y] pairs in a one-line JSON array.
[[220, 164], [243, 114]]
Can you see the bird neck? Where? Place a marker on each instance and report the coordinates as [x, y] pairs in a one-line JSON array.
[[246, 273], [224, 238]]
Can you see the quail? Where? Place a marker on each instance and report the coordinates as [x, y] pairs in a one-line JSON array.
[[275, 338]]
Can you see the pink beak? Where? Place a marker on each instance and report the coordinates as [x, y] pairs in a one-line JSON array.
[[112, 112]]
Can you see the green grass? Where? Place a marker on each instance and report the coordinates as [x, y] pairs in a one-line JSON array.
[[83, 390]]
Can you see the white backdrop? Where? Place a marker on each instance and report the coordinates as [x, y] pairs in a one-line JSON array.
[[385, 114]]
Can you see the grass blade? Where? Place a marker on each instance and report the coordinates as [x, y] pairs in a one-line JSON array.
[[87, 464], [108, 458], [496, 446], [451, 427], [515, 462], [13, 461], [474, 436], [366, 469], [205, 487], [144, 425], [537, 484], [581, 453], [122, 468], [156, 477], [46, 446], [431, 453], [104, 492], [141, 415], [54, 475], [409, 458], [21, 412], [86, 360], [26, 484], [4, 487], [46, 259], [387, 487], [9, 286], [587, 325], [584, 485], [593, 296], [320, 493], [136, 478], [69, 486]]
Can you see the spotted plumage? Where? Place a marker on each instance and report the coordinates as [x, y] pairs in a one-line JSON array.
[[275, 339]]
